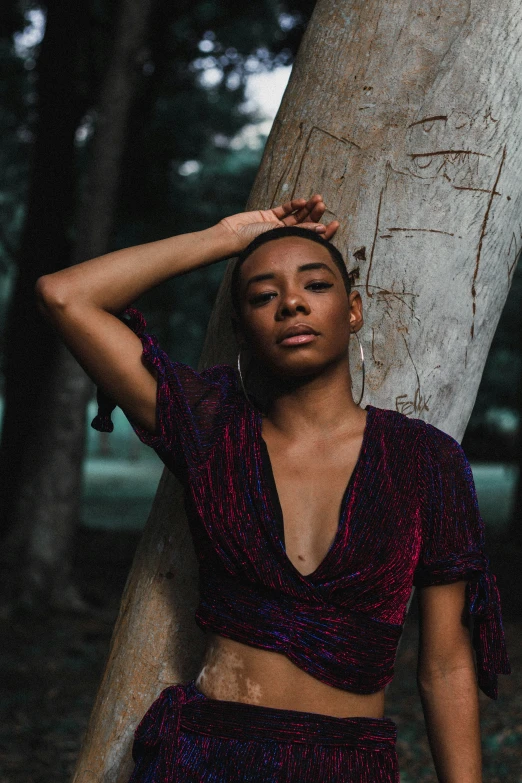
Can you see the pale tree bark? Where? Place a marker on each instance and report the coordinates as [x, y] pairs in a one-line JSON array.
[[406, 117], [50, 491]]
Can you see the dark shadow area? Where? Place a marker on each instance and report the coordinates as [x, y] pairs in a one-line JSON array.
[[51, 664]]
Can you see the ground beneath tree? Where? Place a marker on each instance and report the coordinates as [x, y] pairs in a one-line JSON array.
[[50, 668]]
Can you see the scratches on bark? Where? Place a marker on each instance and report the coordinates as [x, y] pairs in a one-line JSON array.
[[354, 276], [477, 190], [375, 360], [287, 168], [369, 294], [400, 296], [448, 159], [411, 359], [343, 140], [418, 404], [481, 240], [429, 230], [415, 155], [440, 117], [406, 173], [518, 253], [513, 265]]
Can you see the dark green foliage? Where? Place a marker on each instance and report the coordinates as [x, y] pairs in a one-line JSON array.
[[175, 118]]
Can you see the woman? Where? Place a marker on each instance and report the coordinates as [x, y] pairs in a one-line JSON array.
[[311, 517]]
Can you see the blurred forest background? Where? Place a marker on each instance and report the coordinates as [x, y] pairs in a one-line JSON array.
[[122, 122]]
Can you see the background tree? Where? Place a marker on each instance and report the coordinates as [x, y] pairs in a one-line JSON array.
[[45, 244], [50, 489], [43, 428], [407, 119]]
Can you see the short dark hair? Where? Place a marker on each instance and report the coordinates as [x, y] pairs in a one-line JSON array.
[[279, 233]]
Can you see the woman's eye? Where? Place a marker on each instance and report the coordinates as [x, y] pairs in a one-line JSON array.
[[261, 298], [320, 284]]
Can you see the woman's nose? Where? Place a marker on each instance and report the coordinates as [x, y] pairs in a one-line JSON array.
[[293, 302]]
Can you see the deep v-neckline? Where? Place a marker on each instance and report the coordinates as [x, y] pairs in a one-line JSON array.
[[273, 504]]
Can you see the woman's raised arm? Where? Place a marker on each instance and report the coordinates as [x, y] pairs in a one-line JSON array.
[[83, 301]]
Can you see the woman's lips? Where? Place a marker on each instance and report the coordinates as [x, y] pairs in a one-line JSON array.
[[298, 339]]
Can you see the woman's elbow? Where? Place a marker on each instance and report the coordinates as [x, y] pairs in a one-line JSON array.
[[457, 677], [50, 294]]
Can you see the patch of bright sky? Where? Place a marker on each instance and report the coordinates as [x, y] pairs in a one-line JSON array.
[[32, 33], [263, 94], [264, 91]]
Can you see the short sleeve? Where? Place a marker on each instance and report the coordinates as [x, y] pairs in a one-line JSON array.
[[453, 548], [191, 407]]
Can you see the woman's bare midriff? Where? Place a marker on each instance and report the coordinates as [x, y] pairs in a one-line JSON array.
[[233, 671]]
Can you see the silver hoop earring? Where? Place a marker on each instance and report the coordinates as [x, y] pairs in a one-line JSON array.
[[362, 362], [241, 377]]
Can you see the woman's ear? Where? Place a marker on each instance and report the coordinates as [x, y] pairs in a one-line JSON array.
[[356, 311]]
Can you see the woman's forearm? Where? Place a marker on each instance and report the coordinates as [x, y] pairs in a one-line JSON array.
[[110, 282], [451, 710], [83, 301]]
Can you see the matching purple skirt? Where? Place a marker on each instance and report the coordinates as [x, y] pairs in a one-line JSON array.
[[186, 736]]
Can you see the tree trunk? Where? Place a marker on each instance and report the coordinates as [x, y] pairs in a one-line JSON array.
[[31, 345], [50, 486], [405, 116]]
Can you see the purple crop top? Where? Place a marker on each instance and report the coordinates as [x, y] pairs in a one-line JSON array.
[[409, 516]]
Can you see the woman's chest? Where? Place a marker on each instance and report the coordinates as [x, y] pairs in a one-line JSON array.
[[307, 488], [243, 517]]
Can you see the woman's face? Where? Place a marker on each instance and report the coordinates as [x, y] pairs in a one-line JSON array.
[[293, 283]]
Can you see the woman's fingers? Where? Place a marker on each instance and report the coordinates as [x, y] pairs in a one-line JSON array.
[[326, 232], [331, 228], [318, 211], [286, 209], [311, 211], [306, 214], [297, 207], [318, 227]]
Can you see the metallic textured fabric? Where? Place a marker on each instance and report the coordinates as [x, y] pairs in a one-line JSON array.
[[409, 516], [185, 736]]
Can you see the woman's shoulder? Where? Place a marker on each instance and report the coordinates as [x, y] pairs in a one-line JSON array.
[[221, 383], [220, 373], [418, 432]]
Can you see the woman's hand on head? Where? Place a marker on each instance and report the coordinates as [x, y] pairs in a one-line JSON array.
[[246, 226]]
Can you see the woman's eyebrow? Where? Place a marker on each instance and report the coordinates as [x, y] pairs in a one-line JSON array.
[[302, 268]]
